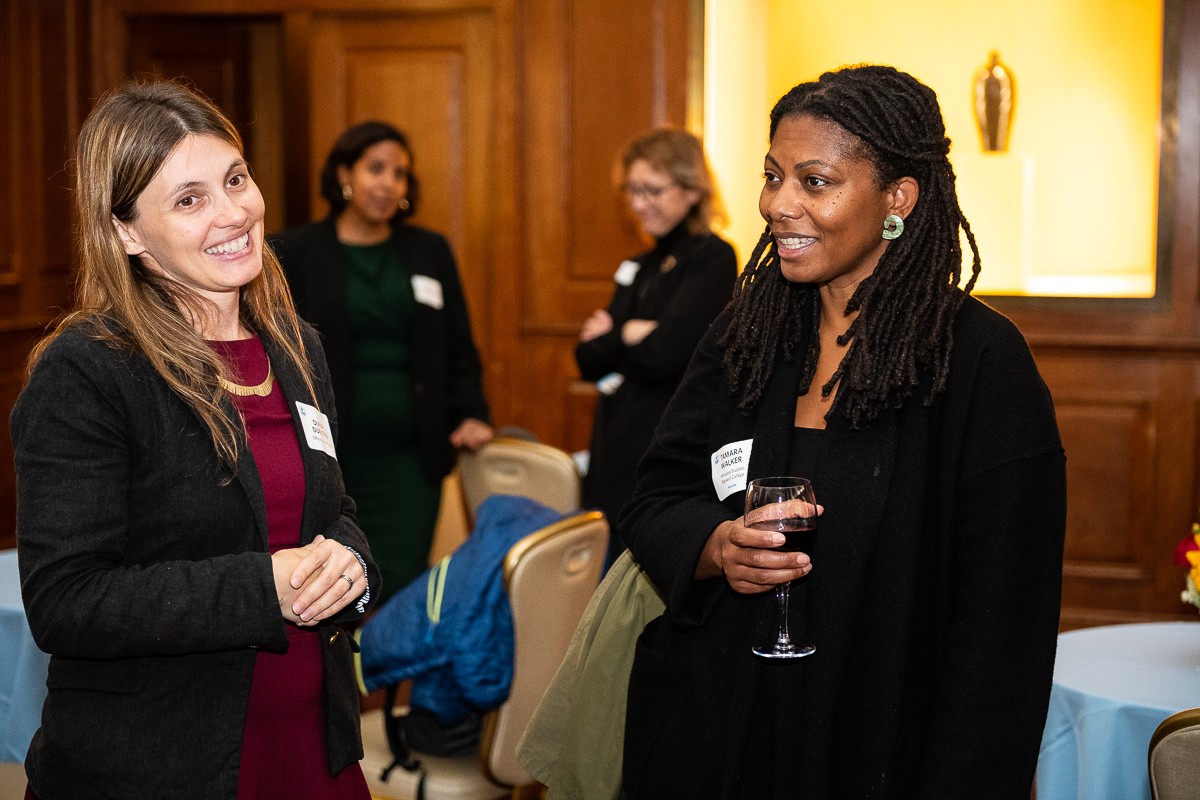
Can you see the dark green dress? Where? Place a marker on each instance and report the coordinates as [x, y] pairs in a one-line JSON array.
[[397, 504]]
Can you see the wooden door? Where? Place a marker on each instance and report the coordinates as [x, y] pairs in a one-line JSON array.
[[596, 76], [210, 53], [237, 62], [44, 63]]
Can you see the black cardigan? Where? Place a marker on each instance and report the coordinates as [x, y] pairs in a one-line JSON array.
[[447, 381], [935, 618], [683, 300], [146, 577]]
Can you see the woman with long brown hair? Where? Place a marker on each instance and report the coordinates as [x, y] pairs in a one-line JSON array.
[[186, 546]]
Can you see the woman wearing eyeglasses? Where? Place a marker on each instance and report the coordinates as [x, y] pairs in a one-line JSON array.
[[636, 350]]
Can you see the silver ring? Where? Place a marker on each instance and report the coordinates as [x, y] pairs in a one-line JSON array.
[[349, 581]]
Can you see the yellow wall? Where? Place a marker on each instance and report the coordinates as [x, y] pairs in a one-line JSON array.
[[737, 99], [1070, 209]]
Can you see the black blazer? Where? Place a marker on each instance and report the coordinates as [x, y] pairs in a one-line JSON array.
[[933, 600], [146, 577], [447, 376], [683, 299]]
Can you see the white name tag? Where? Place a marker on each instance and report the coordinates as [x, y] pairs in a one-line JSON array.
[[316, 429], [729, 466], [427, 291], [627, 272], [610, 383]]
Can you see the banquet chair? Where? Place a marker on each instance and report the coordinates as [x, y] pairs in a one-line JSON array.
[[512, 464], [1174, 757], [507, 465], [549, 576]]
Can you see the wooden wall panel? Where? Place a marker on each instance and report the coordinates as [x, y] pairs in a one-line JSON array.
[[58, 40], [601, 75], [1111, 463], [27, 157], [14, 345], [9, 29], [210, 53], [45, 47], [517, 109], [1128, 423], [238, 64]]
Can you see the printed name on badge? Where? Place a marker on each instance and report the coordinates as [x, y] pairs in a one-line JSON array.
[[627, 272], [729, 466], [316, 429], [427, 291]]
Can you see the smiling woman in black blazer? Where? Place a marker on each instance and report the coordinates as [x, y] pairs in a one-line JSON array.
[[186, 545]]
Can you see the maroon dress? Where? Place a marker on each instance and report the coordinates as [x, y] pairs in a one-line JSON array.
[[284, 752]]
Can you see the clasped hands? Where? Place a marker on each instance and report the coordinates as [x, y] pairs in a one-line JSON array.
[[309, 582]]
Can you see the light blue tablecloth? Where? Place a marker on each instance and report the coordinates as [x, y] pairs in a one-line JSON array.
[[22, 667], [1112, 687]]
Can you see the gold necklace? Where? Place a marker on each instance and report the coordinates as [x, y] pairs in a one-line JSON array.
[[262, 390]]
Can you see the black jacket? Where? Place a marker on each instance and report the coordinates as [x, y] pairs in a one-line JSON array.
[[447, 376], [146, 577], [682, 284], [933, 600]]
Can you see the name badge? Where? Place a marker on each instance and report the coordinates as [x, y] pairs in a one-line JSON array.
[[627, 272], [610, 383], [316, 429], [427, 291], [729, 466]]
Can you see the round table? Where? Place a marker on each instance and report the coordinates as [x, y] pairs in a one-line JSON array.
[[1113, 685], [22, 667]]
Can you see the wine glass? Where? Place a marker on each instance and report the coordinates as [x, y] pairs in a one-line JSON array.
[[786, 505]]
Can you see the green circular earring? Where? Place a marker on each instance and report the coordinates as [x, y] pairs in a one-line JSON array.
[[893, 226]]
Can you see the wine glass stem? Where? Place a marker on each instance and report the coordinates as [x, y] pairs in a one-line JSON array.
[[783, 641]]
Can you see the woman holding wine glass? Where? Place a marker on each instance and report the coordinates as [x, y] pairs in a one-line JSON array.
[[851, 357]]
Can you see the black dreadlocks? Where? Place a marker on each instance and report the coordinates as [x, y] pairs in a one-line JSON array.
[[908, 304]]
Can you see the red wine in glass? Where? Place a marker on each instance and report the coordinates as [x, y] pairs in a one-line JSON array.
[[800, 533], [784, 505]]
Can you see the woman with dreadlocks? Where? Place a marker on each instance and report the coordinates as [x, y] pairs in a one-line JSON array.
[[850, 355]]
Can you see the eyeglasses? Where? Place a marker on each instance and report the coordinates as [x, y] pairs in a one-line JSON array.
[[646, 191]]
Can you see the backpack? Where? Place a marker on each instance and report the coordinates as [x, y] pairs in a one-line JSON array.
[[420, 730]]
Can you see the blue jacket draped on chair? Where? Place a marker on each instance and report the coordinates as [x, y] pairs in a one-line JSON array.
[[451, 629]]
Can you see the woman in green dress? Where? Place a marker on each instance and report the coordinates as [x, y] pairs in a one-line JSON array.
[[387, 300]]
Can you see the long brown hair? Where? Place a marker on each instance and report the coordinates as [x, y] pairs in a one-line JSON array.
[[122, 146]]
